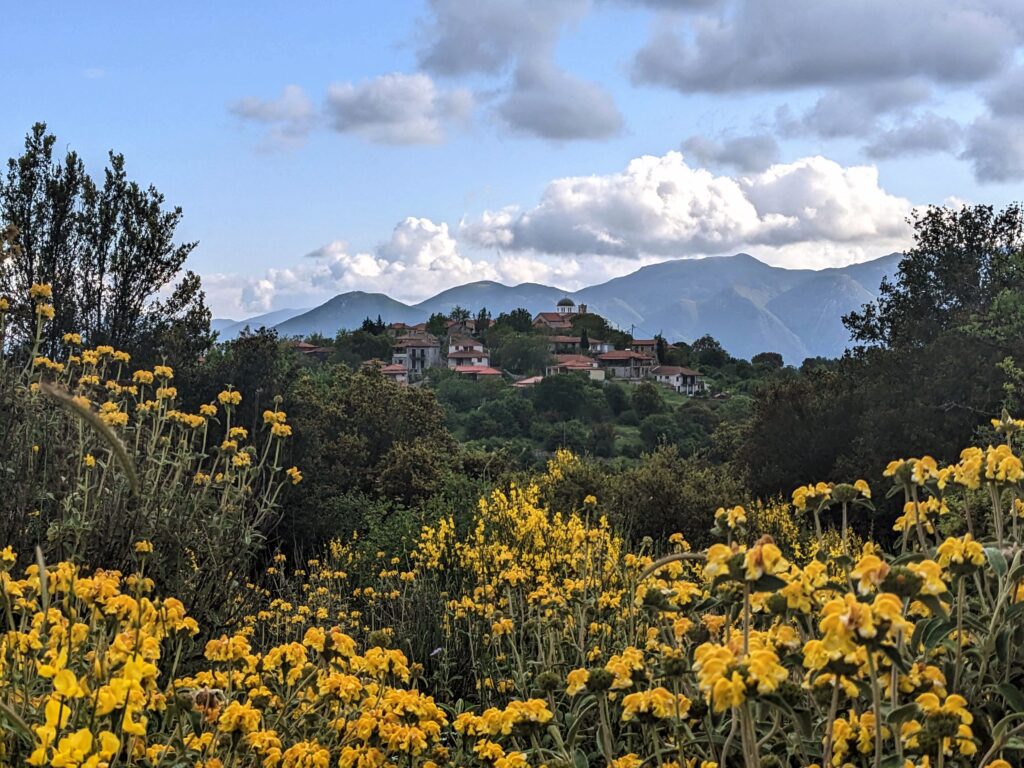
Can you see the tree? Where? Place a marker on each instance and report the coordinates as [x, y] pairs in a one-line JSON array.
[[709, 351], [771, 361], [438, 324], [459, 314], [483, 320], [660, 428], [255, 363], [660, 348], [602, 440], [561, 396], [358, 433], [584, 340], [375, 327], [108, 250], [520, 353], [646, 399], [519, 320], [616, 396], [666, 493], [961, 260]]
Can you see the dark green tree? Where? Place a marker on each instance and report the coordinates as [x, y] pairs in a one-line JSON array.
[[709, 351], [520, 352], [962, 259], [108, 249], [483, 320], [519, 320], [438, 324], [771, 361], [646, 399]]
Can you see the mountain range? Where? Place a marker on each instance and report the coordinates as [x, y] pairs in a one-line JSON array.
[[749, 306]]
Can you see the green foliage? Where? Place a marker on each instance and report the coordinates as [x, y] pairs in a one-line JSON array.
[[962, 259], [356, 347], [518, 320], [646, 399], [667, 493], [256, 363], [520, 353], [769, 360], [107, 249], [437, 324], [357, 432]]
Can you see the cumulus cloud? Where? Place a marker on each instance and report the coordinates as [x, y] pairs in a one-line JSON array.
[[660, 206], [289, 117], [792, 44], [548, 102], [396, 109], [747, 154], [926, 133]]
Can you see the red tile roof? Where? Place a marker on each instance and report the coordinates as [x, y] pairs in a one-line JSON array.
[[574, 359], [624, 354], [479, 370]]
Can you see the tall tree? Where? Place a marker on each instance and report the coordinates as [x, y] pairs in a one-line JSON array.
[[962, 259], [108, 249]]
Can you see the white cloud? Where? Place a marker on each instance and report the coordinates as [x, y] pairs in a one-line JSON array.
[[290, 117], [660, 206], [853, 110], [390, 109], [396, 109]]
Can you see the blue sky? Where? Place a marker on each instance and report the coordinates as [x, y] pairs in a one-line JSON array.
[[409, 146]]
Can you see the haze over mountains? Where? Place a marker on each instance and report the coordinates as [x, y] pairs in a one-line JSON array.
[[749, 306]]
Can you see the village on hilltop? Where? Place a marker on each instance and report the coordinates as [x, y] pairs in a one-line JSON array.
[[417, 350]]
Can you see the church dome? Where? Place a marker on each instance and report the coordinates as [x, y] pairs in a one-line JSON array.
[[566, 302]]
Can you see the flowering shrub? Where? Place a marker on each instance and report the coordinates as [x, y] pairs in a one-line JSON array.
[[98, 455], [535, 637]]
